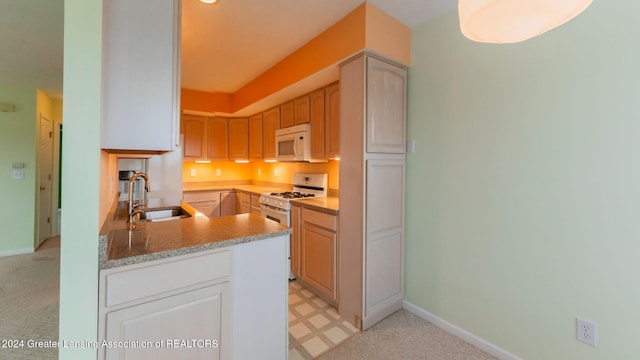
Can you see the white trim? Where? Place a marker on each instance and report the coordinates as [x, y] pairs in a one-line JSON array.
[[16, 252], [459, 332]]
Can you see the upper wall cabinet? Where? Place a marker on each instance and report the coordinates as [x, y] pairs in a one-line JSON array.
[[270, 123], [204, 138], [302, 110], [332, 121], [317, 118], [255, 137], [140, 75], [286, 114], [239, 139], [386, 107]]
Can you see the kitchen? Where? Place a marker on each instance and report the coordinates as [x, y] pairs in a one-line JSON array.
[[234, 165], [531, 183]]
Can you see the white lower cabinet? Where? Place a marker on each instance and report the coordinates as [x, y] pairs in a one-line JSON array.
[[189, 325], [228, 303]]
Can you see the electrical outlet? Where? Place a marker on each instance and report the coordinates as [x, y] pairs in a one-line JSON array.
[[192, 172], [275, 172], [218, 172], [586, 331]]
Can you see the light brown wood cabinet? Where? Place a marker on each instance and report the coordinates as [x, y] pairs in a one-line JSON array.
[[332, 121], [243, 203], [270, 123], [373, 98], [302, 110], [386, 107], [239, 139], [314, 251], [317, 119], [255, 137], [286, 115], [211, 203], [205, 138], [194, 129], [217, 138]]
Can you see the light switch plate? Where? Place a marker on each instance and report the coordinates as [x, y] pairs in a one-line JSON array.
[[17, 174]]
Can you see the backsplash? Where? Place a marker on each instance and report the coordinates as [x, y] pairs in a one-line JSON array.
[[277, 172]]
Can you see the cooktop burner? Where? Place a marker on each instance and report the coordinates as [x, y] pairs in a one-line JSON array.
[[292, 194]]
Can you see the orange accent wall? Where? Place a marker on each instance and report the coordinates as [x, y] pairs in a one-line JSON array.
[[387, 36], [344, 38], [366, 27], [205, 101]]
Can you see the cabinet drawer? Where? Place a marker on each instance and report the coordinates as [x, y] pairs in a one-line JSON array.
[[196, 196], [321, 219], [167, 275]]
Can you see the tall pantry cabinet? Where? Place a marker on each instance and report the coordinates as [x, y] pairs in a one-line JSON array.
[[373, 94]]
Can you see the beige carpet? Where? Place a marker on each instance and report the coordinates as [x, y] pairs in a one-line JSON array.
[[405, 336], [29, 301]]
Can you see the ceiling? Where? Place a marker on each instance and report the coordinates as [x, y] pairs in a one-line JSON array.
[[224, 46]]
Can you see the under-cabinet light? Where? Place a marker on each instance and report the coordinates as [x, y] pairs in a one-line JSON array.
[[270, 161], [242, 161], [203, 161], [210, 2]]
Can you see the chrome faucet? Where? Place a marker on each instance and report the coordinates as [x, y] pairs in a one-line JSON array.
[[147, 187]]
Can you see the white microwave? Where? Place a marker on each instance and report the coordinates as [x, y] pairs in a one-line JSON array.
[[294, 143]]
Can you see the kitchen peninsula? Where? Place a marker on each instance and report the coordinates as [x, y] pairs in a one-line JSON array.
[[206, 280]]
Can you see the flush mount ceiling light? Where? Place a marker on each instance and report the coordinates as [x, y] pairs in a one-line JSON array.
[[212, 2], [511, 21]]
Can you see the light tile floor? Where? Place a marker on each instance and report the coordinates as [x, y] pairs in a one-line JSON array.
[[314, 326]]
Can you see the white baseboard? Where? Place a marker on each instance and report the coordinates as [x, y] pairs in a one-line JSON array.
[[459, 332], [16, 252]]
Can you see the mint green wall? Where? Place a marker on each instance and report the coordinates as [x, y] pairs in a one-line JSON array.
[[524, 190], [17, 144], [80, 193]]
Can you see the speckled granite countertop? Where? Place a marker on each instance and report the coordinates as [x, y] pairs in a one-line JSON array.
[[121, 245], [329, 204]]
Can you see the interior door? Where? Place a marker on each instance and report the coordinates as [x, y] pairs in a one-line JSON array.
[[46, 169]]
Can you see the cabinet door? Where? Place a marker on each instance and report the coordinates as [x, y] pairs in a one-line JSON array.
[[243, 203], [302, 110], [210, 209], [239, 139], [203, 314], [227, 203], [317, 117], [295, 240], [270, 123], [140, 75], [332, 121], [217, 137], [317, 264], [255, 137], [384, 261], [256, 207], [286, 115], [195, 137], [386, 107]]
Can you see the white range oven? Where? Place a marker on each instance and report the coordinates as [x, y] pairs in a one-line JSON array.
[[276, 206]]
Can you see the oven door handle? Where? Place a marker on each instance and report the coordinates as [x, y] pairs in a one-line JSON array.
[[272, 209]]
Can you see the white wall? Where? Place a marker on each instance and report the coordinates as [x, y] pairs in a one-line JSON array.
[[523, 206]]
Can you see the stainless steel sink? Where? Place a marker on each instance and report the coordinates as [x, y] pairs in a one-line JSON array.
[[164, 214]]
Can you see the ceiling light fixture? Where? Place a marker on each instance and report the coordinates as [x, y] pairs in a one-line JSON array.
[[212, 2], [511, 21]]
